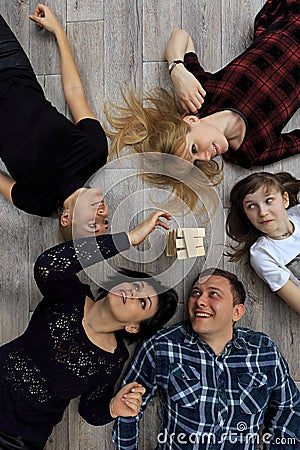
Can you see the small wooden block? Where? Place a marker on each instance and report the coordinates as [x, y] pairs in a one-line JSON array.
[[182, 254], [200, 232], [185, 243]]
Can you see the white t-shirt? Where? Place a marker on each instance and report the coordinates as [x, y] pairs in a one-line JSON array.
[[269, 257]]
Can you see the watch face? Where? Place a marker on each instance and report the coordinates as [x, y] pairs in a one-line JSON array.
[[171, 66]]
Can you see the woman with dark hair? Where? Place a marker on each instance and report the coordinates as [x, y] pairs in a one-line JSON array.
[[238, 112], [74, 344], [264, 219]]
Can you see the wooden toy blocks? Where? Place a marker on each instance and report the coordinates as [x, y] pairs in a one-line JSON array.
[[185, 243]]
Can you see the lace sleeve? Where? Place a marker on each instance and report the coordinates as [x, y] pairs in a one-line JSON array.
[[65, 260], [94, 405]]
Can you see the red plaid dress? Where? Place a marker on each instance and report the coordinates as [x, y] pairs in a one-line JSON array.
[[263, 84]]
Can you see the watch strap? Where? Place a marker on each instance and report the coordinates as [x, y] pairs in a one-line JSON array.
[[174, 63]]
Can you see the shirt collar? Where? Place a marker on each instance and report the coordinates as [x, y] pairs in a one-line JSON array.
[[192, 338]]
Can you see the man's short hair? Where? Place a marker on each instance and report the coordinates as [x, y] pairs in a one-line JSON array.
[[237, 288]]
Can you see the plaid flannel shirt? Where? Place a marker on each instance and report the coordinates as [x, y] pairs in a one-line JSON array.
[[263, 84], [214, 402]]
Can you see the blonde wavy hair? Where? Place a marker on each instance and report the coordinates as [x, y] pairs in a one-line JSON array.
[[155, 124]]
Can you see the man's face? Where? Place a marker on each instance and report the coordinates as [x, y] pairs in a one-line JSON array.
[[211, 310]]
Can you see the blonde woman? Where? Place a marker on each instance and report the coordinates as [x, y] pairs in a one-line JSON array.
[[238, 112]]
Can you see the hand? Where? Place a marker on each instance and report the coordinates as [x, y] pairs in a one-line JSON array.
[[188, 89], [127, 402], [140, 233], [44, 17]]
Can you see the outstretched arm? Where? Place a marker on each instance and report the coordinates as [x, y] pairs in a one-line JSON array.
[[72, 85], [188, 89], [60, 264], [291, 295], [6, 184]]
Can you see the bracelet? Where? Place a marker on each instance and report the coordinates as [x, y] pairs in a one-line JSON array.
[[174, 63]]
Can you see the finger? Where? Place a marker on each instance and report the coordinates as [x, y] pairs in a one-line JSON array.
[[134, 384], [197, 101], [184, 105], [133, 404], [140, 390], [135, 394], [199, 97], [197, 106], [162, 224], [167, 216], [131, 386], [37, 20], [40, 10], [37, 10], [136, 400], [192, 107], [202, 91], [163, 213]]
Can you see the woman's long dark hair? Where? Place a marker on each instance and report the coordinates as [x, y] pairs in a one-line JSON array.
[[238, 226], [167, 301]]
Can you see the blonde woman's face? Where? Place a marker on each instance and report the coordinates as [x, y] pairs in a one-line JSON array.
[[90, 215], [203, 141]]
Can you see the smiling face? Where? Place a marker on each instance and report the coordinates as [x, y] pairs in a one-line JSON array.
[[131, 303], [203, 141], [266, 210], [212, 312], [90, 214]]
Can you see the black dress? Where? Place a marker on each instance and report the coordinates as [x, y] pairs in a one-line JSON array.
[[45, 153]]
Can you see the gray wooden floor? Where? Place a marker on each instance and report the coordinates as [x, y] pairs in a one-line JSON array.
[[122, 41]]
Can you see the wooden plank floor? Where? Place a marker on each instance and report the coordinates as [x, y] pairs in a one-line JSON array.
[[117, 42]]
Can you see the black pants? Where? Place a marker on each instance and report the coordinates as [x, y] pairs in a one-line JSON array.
[[8, 442], [11, 52]]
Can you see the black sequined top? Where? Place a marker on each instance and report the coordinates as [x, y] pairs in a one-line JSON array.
[[54, 361]]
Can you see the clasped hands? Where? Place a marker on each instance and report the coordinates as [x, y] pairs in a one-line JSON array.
[[127, 402]]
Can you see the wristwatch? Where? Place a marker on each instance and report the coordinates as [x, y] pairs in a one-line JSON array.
[[174, 63]]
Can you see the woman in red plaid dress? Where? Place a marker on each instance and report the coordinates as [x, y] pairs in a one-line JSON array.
[[238, 112]]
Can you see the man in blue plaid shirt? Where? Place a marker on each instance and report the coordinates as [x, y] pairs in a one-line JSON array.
[[218, 385]]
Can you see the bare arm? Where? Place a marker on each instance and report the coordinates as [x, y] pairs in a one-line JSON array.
[[177, 45], [72, 85], [139, 234], [291, 294], [6, 184], [188, 89]]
